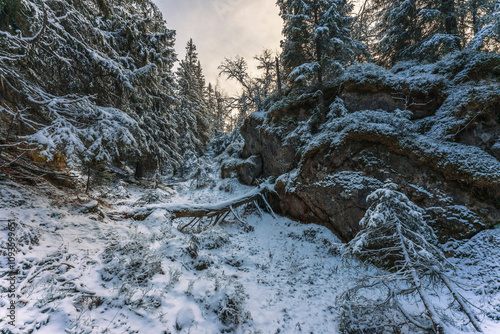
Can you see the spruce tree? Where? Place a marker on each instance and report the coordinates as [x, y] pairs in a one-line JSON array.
[[439, 26], [427, 29], [317, 38], [395, 27], [297, 33], [98, 79], [221, 111], [193, 107], [395, 236], [211, 104], [334, 44], [217, 108], [485, 21]]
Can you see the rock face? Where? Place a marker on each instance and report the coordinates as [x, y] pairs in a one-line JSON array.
[[428, 142], [495, 149], [331, 189], [268, 143], [246, 170]]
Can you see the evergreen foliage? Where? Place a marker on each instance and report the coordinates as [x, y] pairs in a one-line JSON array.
[[395, 237], [486, 27], [194, 110], [425, 29], [97, 77], [218, 109], [318, 41], [11, 15], [396, 27]]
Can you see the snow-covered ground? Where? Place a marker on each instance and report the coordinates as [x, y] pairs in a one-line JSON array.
[[81, 272]]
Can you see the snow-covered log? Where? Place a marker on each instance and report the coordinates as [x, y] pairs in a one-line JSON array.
[[194, 210]]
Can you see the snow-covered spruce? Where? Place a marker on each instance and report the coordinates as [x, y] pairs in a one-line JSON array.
[[93, 81], [318, 41], [395, 237]]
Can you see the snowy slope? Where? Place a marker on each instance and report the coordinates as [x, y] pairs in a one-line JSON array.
[[81, 273]]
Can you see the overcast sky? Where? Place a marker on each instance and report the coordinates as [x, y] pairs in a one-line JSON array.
[[223, 28]]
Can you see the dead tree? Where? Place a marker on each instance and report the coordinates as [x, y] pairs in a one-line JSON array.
[[215, 212]]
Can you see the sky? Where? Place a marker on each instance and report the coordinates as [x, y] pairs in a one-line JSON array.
[[223, 29]]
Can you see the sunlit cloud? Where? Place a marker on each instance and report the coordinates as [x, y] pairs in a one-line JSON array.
[[223, 29]]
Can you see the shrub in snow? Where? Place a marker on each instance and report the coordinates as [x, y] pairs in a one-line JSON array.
[[132, 261], [230, 307], [26, 234], [118, 191], [223, 296], [202, 177], [211, 239], [153, 196], [395, 237]]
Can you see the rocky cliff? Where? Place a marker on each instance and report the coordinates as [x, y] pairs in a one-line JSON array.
[[434, 130]]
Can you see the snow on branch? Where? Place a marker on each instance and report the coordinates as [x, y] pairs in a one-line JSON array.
[[89, 88], [396, 238]]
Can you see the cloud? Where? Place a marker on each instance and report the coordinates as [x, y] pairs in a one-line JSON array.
[[223, 29]]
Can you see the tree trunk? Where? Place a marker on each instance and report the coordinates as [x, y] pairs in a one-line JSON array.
[[475, 23], [318, 48], [278, 77], [139, 170], [463, 303], [194, 210], [436, 321], [88, 180], [450, 18]]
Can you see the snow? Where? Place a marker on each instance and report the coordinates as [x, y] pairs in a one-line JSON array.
[[349, 180], [259, 115], [304, 71], [84, 274], [81, 273]]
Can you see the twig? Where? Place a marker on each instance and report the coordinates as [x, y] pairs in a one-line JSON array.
[[460, 299], [235, 214], [466, 125], [11, 162]]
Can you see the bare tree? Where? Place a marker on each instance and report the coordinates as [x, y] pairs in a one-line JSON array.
[[254, 89]]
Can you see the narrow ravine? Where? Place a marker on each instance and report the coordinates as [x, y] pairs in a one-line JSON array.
[[82, 273]]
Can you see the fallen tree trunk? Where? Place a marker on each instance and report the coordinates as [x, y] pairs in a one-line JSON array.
[[196, 210]]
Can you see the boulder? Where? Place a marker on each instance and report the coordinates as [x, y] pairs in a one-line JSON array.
[[250, 169], [268, 142], [433, 139], [336, 201]]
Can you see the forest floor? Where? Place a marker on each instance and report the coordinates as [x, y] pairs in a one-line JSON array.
[[79, 271]]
